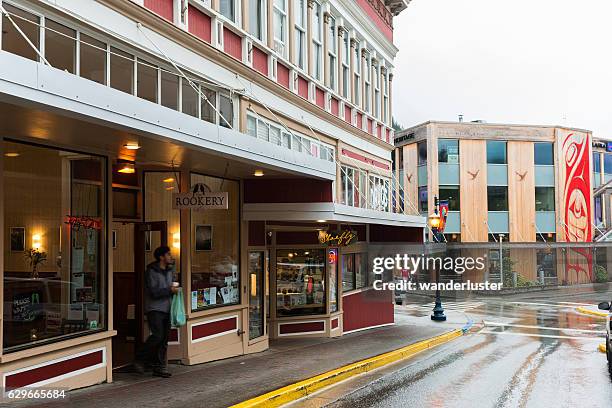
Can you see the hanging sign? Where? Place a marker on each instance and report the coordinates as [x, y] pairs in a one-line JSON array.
[[88, 223], [201, 198], [337, 238]]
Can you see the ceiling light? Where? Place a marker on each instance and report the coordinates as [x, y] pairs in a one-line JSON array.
[[321, 221], [168, 180], [127, 168], [11, 154], [258, 173], [132, 146]]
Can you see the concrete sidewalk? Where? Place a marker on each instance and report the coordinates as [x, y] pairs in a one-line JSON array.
[[227, 382]]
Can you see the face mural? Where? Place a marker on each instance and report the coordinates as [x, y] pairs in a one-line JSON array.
[[575, 162]]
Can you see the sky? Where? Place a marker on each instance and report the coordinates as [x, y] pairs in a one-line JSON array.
[[539, 62]]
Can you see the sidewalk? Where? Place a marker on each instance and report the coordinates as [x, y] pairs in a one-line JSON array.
[[227, 382]]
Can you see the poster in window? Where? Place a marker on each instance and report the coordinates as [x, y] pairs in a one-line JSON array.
[[203, 237], [17, 239]]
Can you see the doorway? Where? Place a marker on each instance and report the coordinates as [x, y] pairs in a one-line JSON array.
[[128, 311]]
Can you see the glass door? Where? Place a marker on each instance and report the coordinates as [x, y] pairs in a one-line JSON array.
[[256, 294]]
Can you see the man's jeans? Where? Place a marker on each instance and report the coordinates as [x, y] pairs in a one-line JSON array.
[[154, 350]]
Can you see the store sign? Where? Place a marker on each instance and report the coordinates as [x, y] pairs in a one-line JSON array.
[[201, 198], [76, 223], [337, 238]]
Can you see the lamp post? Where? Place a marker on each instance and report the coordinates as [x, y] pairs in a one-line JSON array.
[[434, 222]]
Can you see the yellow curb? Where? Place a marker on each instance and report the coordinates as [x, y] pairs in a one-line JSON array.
[[591, 312], [303, 388], [602, 347]]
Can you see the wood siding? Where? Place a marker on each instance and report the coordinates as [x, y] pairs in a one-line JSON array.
[[473, 190], [521, 191]]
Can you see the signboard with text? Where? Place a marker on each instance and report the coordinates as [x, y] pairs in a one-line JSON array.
[[201, 198]]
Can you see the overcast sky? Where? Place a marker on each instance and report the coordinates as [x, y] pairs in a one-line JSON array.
[[505, 61]]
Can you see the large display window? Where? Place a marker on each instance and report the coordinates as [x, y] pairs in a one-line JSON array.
[[215, 255], [300, 282], [54, 244]]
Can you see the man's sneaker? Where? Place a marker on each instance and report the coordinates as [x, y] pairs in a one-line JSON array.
[[161, 373]]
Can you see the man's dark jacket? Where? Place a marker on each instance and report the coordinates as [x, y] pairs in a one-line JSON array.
[[157, 290]]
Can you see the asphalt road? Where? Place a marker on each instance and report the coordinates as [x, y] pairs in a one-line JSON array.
[[532, 351]]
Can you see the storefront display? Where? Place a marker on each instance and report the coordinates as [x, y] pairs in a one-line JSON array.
[[54, 267], [300, 282]]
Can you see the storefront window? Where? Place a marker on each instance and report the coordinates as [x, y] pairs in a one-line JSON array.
[[215, 252], [54, 253], [256, 297], [300, 282], [332, 262], [354, 271]]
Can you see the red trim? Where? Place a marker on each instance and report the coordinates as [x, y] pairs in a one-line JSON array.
[[260, 61], [379, 130], [348, 114], [294, 328], [161, 7], [388, 135], [53, 370], [364, 159], [212, 328], [367, 309], [199, 24], [335, 108], [394, 233], [257, 233], [380, 15], [174, 335], [370, 127], [232, 43], [302, 87], [282, 75], [335, 323], [320, 98], [359, 120]]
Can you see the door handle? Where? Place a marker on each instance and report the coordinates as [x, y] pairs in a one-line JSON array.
[[240, 332]]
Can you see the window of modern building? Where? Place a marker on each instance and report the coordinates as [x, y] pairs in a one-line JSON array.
[[543, 154], [300, 33], [146, 80], [497, 198], [357, 79], [208, 106], [317, 41], [12, 40], [607, 162], [332, 55], [354, 271], [55, 278], [596, 162], [346, 58], [300, 282], [189, 99], [215, 254], [121, 71], [257, 13], [496, 152], [379, 193], [545, 199], [422, 153], [452, 237], [170, 90], [450, 193], [60, 46], [448, 151], [280, 26], [423, 200], [93, 59], [227, 8]]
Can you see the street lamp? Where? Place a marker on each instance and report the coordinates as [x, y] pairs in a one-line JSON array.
[[434, 222]]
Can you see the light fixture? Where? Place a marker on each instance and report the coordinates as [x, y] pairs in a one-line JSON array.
[[132, 146], [36, 241], [126, 168], [434, 220], [11, 154], [258, 173], [321, 221], [176, 240], [306, 253], [290, 254], [170, 188], [168, 180]]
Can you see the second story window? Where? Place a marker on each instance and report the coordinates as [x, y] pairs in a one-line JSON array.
[[300, 33], [496, 152], [317, 38], [257, 15], [367, 94], [385, 117], [332, 44], [346, 57], [448, 151], [357, 76], [227, 8], [280, 27], [543, 154], [376, 81]]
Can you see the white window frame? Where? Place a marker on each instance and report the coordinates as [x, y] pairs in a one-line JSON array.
[[346, 70], [362, 175], [375, 182], [376, 80], [332, 53], [280, 42], [300, 33], [317, 43], [368, 84], [357, 74], [237, 12], [263, 23]]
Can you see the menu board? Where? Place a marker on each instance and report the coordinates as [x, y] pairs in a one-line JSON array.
[[26, 306]]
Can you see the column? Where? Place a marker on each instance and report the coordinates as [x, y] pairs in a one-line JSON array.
[[381, 96], [390, 109], [245, 15], [291, 36], [270, 26]]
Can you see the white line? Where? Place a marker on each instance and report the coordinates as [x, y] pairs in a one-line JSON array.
[[539, 304], [543, 327], [578, 304], [540, 335]]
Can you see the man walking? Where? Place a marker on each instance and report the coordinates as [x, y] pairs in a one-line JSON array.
[[158, 290]]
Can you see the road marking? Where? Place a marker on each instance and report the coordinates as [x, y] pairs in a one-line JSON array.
[[543, 327], [539, 335], [539, 304], [577, 304]]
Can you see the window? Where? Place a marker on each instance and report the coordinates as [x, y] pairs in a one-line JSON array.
[[256, 18], [379, 193], [423, 201], [54, 271], [169, 90], [357, 78], [376, 81], [367, 92], [545, 199], [122, 71], [189, 99], [353, 187], [227, 8], [596, 162], [448, 151], [332, 54], [300, 282], [12, 40], [354, 271], [543, 154], [147, 81], [60, 46], [208, 104], [280, 26], [385, 112], [317, 41], [226, 109], [450, 193], [422, 152], [93, 59], [300, 33], [496, 152], [608, 163], [497, 198], [215, 254], [346, 58]]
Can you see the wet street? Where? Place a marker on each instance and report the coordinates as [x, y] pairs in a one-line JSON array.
[[525, 351]]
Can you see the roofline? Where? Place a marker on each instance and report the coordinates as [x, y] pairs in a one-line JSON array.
[[442, 122]]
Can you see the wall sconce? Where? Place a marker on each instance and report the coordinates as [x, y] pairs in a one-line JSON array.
[[126, 167], [176, 240], [36, 241]]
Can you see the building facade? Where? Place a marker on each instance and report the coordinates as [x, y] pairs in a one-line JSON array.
[[602, 189], [253, 137]]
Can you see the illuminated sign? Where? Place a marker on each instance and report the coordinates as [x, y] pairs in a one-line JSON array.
[[332, 256], [337, 238]]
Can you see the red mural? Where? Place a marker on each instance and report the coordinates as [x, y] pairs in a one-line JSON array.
[[575, 161]]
